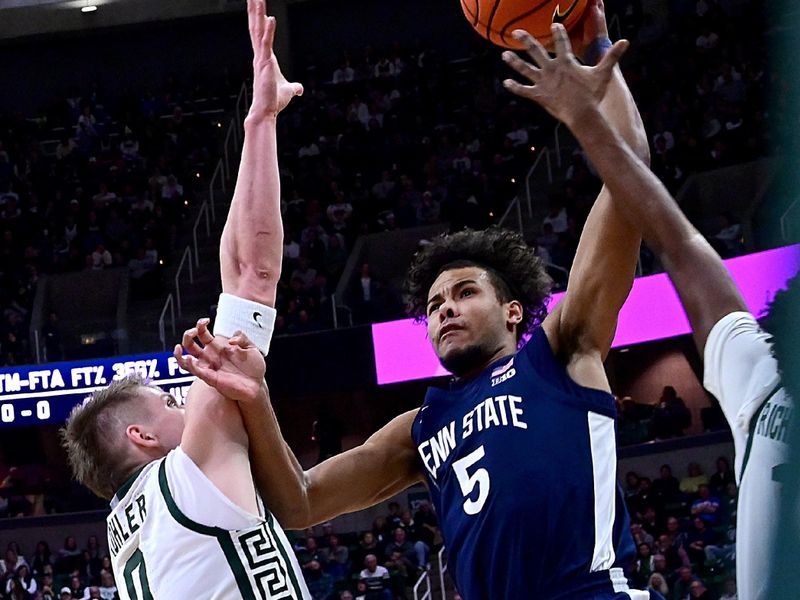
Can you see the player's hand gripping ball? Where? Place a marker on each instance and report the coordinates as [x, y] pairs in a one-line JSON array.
[[496, 19]]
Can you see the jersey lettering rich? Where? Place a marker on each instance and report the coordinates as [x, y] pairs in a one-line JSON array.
[[521, 466], [743, 375]]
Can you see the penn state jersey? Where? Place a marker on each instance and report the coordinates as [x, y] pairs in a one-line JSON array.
[[521, 465]]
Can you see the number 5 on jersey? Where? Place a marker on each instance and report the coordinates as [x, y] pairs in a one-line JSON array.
[[468, 483]]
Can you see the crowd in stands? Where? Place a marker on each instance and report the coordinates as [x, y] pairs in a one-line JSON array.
[[684, 531], [379, 564], [95, 182], [396, 137], [668, 417], [386, 138], [69, 573]]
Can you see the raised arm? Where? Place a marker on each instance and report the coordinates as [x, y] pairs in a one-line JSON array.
[[251, 251], [583, 325], [570, 93], [214, 436]]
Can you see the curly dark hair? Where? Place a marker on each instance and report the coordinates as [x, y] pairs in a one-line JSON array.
[[783, 325], [514, 270]]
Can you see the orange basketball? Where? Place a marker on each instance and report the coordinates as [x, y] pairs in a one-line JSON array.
[[496, 19]]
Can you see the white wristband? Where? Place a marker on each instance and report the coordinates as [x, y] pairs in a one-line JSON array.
[[256, 321]]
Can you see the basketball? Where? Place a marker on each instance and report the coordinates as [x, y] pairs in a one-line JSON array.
[[496, 19]]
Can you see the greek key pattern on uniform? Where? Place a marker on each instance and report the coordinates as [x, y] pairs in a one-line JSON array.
[[265, 565]]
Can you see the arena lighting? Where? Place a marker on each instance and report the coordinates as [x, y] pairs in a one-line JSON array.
[[652, 312], [89, 8]]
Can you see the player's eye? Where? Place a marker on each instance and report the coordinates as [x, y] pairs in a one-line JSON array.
[[466, 293], [171, 402], [433, 308]]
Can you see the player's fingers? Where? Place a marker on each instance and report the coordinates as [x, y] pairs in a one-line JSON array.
[[562, 43], [269, 34], [259, 20], [524, 91], [189, 342], [534, 49], [613, 56], [522, 67], [203, 334], [241, 340]]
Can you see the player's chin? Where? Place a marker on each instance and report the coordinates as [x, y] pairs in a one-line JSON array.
[[461, 358]]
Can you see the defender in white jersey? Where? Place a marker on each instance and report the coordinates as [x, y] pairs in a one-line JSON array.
[[742, 373], [187, 519], [163, 511], [739, 367]]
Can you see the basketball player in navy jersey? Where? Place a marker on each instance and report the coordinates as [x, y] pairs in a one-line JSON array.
[[519, 451], [740, 369]]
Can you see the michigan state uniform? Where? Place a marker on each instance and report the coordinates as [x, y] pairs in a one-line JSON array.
[[743, 375], [521, 464], [172, 534]]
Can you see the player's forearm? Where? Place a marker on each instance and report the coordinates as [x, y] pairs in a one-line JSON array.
[[706, 289], [251, 248], [278, 475], [621, 111]]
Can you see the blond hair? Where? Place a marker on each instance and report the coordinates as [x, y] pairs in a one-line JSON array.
[[90, 437]]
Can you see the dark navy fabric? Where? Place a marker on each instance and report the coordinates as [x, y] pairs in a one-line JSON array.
[[509, 468]]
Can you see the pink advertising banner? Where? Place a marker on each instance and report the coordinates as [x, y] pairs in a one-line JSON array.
[[652, 312]]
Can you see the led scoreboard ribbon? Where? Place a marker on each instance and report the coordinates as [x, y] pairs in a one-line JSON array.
[[40, 394]]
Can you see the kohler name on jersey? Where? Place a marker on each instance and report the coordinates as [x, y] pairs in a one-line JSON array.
[[120, 530]]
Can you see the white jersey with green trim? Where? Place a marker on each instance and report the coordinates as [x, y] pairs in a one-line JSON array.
[[742, 373], [173, 534]]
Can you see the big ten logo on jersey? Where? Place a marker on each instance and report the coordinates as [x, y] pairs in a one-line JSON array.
[[503, 373], [265, 567]]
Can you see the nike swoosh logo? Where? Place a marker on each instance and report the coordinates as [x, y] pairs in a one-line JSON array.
[[560, 17], [257, 319]]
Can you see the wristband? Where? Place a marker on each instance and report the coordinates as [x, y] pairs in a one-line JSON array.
[[596, 51], [256, 321]]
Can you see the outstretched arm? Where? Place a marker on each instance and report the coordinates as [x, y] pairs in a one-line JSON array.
[[214, 436], [251, 248], [569, 92], [582, 327]]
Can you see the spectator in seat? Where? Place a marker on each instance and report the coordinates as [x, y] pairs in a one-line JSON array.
[[706, 506], [66, 594], [666, 488], [376, 578], [310, 553], [344, 74], [400, 543], [680, 591], [671, 417], [101, 258], [658, 583], [305, 273], [41, 558], [698, 590], [695, 478], [401, 570], [10, 563], [722, 477], [70, 557], [697, 540], [22, 580], [108, 589], [320, 584]]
